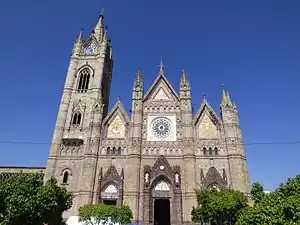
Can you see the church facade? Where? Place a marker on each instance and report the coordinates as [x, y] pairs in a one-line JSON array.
[[151, 160]]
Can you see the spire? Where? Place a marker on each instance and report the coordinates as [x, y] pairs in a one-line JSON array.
[[138, 88], [161, 67], [99, 28], [79, 38], [226, 101], [185, 91], [224, 95], [78, 43], [184, 84], [228, 98]]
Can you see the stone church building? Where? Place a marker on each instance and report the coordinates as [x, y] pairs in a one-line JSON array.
[[152, 159]]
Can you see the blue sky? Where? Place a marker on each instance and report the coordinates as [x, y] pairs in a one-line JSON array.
[[252, 47]]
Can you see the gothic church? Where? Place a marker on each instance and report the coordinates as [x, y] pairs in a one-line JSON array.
[[151, 160]]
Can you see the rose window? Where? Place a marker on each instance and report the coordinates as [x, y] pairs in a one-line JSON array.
[[161, 127]]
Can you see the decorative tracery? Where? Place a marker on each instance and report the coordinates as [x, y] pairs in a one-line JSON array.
[[76, 120], [84, 79], [161, 127]]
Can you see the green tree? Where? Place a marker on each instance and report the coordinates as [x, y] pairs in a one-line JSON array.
[[257, 192], [26, 200], [98, 213], [281, 207], [218, 206]]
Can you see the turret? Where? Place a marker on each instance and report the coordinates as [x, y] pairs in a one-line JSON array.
[[230, 118], [137, 108], [186, 108], [234, 145]]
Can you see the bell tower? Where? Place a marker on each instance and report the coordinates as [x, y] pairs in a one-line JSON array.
[[84, 103]]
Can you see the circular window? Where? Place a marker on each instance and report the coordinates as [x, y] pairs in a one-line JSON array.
[[161, 127]]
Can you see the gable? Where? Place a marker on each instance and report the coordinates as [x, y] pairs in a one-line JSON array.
[[161, 90], [116, 128], [206, 128], [206, 122], [90, 46], [116, 122]]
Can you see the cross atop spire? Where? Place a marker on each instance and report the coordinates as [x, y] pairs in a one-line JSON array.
[[161, 66], [102, 12]]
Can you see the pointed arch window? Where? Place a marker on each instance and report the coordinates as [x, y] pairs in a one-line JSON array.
[[84, 79], [216, 151], [210, 151], [114, 151], [76, 120], [204, 151], [65, 177]]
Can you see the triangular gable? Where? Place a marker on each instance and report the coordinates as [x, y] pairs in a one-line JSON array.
[[111, 176], [213, 178], [206, 108], [161, 166], [207, 122], [90, 42], [116, 121], [161, 89]]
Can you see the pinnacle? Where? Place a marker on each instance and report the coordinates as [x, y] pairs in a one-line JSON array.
[[184, 84], [161, 66]]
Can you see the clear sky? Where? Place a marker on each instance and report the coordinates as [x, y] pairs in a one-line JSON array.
[[252, 47]]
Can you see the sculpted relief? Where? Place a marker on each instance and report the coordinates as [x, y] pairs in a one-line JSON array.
[[207, 128], [116, 128]]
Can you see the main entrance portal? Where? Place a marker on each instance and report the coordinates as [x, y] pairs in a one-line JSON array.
[[162, 212]]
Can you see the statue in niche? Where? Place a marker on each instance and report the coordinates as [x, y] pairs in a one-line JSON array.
[[146, 177], [176, 178]]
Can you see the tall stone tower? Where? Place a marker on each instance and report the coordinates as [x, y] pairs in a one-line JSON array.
[[84, 104], [151, 160]]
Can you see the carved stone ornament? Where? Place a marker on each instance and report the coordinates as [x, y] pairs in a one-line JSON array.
[[161, 166], [213, 178], [111, 175]]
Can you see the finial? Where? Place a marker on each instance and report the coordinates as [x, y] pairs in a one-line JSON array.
[[102, 12], [204, 96], [161, 66], [224, 94], [183, 74], [138, 71], [119, 98], [80, 36]]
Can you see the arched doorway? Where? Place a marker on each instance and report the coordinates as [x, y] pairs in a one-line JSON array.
[[162, 198], [162, 193]]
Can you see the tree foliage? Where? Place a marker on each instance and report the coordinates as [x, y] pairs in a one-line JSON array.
[[101, 213], [218, 206], [26, 200], [257, 192], [281, 207]]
